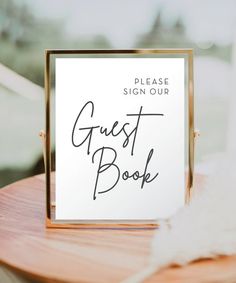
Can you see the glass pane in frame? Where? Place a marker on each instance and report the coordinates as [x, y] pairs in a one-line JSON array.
[[51, 56]]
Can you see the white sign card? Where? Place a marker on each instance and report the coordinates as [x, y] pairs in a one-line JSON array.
[[120, 138]]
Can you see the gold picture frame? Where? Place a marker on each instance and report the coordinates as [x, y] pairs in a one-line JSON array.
[[50, 203]]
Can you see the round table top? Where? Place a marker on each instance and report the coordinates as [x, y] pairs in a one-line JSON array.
[[75, 255]]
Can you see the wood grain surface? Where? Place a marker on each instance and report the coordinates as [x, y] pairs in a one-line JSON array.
[[83, 255]]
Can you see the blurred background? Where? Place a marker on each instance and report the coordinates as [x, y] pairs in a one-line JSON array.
[[29, 27]]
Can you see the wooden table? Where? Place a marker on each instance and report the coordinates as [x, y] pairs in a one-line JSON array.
[[58, 255]]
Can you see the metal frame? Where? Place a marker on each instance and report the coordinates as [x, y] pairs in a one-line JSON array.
[[50, 222]]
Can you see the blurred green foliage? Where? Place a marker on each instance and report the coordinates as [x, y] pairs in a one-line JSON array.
[[23, 39], [161, 36]]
